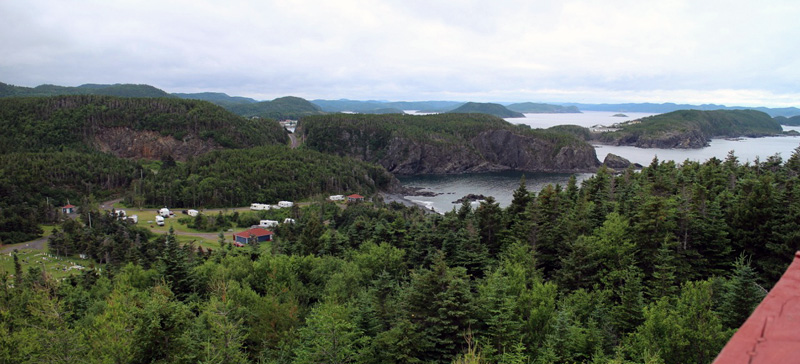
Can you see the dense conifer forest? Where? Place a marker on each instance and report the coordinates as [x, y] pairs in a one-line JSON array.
[[59, 122], [652, 266]]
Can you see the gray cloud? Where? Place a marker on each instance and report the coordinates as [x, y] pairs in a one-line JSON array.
[[681, 51]]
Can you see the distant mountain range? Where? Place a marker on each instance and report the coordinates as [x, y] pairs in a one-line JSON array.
[[538, 108], [669, 107], [370, 106], [292, 107], [120, 90]]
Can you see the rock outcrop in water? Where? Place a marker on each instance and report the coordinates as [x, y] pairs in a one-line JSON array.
[[614, 161]]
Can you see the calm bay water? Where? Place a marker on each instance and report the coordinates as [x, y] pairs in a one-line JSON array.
[[502, 185]]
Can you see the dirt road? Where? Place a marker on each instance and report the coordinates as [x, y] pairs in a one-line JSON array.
[[295, 140]]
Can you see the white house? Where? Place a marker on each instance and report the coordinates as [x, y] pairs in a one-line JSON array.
[[192, 213], [259, 206], [285, 203], [336, 198], [268, 223], [164, 212]]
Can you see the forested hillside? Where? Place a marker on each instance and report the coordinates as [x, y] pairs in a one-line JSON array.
[[446, 143], [790, 121], [218, 98], [77, 148], [657, 266], [33, 185], [85, 122], [691, 128], [119, 90], [487, 108], [288, 107], [243, 176]]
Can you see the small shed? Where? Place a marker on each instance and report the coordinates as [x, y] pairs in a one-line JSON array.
[[68, 209], [241, 239], [355, 198]]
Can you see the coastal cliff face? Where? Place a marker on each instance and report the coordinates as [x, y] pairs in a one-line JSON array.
[[493, 150], [136, 144], [447, 144], [528, 153], [689, 139]]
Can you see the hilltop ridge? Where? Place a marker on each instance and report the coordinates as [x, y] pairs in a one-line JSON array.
[[486, 108]]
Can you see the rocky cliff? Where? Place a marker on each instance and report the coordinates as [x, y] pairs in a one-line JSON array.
[[496, 150], [473, 144], [136, 144]]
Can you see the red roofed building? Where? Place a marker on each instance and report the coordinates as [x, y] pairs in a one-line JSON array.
[[68, 209], [355, 198], [259, 234], [772, 332]]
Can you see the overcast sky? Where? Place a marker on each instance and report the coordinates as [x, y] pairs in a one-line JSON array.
[[698, 51]]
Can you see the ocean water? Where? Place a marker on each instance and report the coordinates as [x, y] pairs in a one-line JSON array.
[[501, 185]]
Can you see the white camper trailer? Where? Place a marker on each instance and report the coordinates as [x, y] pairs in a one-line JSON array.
[[336, 198], [192, 213], [159, 220], [268, 223], [259, 206], [164, 212], [134, 219], [285, 203], [288, 221]]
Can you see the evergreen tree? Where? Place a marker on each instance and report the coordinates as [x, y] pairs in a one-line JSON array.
[[741, 294], [330, 336], [437, 311]]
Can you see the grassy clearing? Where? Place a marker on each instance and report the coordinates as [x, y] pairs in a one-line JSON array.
[[58, 267]]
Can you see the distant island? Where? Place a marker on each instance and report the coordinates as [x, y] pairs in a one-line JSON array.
[[486, 108], [538, 108], [620, 116], [691, 128], [648, 107], [792, 121]]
